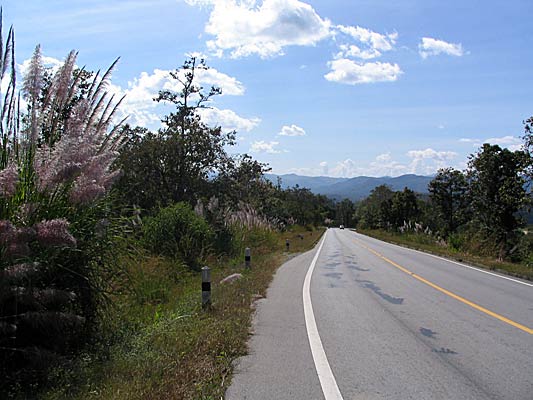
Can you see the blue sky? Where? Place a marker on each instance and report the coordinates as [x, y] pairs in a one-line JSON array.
[[340, 88]]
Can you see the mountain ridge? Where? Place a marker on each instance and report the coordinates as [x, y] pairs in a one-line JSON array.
[[356, 188]]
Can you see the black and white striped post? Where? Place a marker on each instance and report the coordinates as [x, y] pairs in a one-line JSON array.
[[206, 287], [247, 258], [287, 244]]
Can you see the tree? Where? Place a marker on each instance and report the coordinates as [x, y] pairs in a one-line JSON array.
[[179, 160], [403, 206], [193, 149], [344, 213], [448, 193], [498, 193], [373, 211]]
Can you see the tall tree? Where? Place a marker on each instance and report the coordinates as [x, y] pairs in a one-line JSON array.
[[498, 192], [448, 193], [403, 206], [345, 212], [373, 211], [177, 161]]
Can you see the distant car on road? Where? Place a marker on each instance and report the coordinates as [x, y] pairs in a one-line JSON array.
[[341, 227]]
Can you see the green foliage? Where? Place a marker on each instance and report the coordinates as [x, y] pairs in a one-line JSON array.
[[372, 212], [177, 161], [176, 231], [497, 190], [56, 224], [449, 197], [403, 207], [344, 213]]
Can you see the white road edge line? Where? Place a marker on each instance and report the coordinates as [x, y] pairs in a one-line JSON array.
[[454, 262], [327, 380]]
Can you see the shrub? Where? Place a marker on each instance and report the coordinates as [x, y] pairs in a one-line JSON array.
[[177, 232], [55, 170]]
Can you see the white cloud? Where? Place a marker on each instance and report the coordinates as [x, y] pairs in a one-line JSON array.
[[375, 40], [428, 161], [433, 47], [243, 28], [324, 168], [354, 51], [264, 147], [353, 73], [384, 157], [292, 130], [227, 119], [431, 154], [422, 162], [49, 62], [141, 91], [512, 143]]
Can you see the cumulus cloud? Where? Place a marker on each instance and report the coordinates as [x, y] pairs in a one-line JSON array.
[[227, 119], [49, 62], [292, 130], [375, 40], [352, 73], [141, 91], [431, 154], [243, 28], [512, 143], [261, 146], [384, 157], [422, 162], [434, 47], [428, 161], [356, 52]]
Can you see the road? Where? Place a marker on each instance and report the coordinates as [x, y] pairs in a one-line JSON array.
[[377, 321]]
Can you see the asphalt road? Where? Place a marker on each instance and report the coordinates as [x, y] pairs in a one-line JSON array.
[[391, 323]]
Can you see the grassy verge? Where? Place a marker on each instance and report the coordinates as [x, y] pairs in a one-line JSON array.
[[428, 244], [162, 345]]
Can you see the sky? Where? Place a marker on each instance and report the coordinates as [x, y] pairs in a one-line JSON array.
[[337, 88]]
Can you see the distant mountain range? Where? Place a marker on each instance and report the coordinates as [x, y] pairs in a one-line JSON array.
[[352, 188]]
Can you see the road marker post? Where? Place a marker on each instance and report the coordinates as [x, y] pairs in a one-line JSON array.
[[247, 258], [287, 245], [206, 287]]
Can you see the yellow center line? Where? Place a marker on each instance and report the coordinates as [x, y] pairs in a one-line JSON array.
[[447, 292]]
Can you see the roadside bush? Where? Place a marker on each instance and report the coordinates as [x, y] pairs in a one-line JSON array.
[[177, 232], [55, 218]]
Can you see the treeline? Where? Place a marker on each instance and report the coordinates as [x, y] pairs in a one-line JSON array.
[[79, 191], [480, 210]]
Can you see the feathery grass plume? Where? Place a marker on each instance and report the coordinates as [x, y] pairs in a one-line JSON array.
[[31, 89], [54, 233], [50, 178], [85, 152], [248, 217], [8, 100], [8, 180]]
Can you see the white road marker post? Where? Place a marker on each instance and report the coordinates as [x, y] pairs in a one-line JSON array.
[[206, 287], [247, 258]]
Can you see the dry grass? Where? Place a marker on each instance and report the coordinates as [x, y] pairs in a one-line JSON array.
[[165, 346]]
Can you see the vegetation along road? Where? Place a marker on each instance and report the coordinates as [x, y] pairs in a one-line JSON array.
[[357, 318]]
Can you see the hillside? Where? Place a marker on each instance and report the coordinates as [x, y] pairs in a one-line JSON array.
[[353, 188]]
